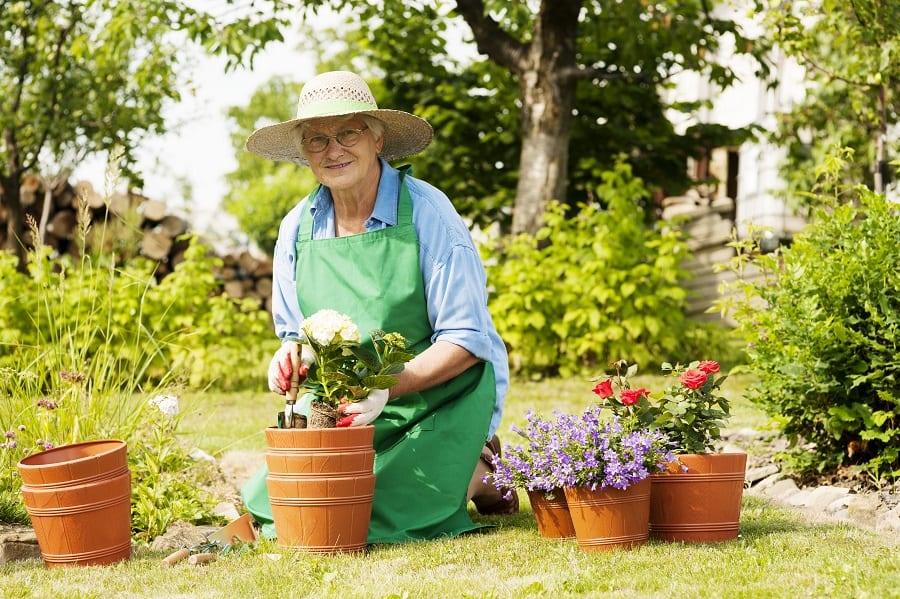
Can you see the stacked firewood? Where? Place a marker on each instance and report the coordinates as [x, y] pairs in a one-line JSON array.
[[129, 225], [244, 275]]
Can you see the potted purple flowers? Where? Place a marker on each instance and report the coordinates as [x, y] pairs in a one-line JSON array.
[[600, 466]]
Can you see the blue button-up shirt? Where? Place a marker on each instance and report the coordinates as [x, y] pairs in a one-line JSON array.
[[454, 277]]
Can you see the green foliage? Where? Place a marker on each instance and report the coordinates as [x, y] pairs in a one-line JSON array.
[[344, 370], [165, 478], [376, 369], [206, 337], [85, 76], [693, 416], [691, 410], [823, 329], [119, 319], [592, 287], [850, 52], [262, 191]]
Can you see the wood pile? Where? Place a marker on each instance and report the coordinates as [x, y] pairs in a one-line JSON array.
[[244, 275], [130, 225]]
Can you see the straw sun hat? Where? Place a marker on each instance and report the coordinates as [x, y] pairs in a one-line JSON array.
[[341, 93]]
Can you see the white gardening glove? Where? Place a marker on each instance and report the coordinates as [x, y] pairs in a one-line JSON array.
[[281, 368], [364, 411]]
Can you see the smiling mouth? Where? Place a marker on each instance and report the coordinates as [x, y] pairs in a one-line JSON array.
[[338, 165]]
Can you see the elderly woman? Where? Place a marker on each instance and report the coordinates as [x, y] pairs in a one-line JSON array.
[[391, 252]]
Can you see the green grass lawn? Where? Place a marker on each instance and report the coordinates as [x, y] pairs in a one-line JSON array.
[[777, 554]]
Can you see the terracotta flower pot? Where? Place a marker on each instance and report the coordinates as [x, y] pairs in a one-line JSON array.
[[79, 500], [610, 518], [702, 504], [552, 514], [321, 485]]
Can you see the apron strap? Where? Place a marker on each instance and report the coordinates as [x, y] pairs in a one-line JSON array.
[[305, 231], [404, 207]]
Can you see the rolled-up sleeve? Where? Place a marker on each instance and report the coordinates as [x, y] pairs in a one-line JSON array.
[[457, 302]]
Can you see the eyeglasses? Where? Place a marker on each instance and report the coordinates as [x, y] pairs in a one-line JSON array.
[[347, 138]]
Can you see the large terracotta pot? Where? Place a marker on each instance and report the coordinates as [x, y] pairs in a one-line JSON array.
[[551, 512], [79, 499], [702, 504], [610, 518], [321, 485]]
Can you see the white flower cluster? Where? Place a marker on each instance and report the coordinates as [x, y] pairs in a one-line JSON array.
[[326, 327], [167, 404]]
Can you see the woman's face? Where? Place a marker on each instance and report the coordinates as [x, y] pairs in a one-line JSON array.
[[339, 167]]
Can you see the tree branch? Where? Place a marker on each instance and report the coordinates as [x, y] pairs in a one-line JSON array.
[[582, 72], [490, 38], [51, 102]]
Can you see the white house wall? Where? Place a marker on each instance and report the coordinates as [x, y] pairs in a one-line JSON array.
[[749, 102]]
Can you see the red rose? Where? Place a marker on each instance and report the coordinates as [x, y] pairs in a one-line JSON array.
[[708, 366], [693, 378], [604, 389], [632, 396]]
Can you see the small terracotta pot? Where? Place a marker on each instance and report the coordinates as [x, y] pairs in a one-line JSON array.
[[610, 518], [235, 532], [551, 512], [79, 500], [701, 505], [321, 485]]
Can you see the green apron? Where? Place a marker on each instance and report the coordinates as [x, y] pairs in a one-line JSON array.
[[426, 444]]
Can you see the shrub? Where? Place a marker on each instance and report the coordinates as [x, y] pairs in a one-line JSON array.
[[823, 330], [592, 287], [166, 480], [69, 314]]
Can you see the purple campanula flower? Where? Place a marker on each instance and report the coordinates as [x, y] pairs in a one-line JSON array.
[[584, 449]]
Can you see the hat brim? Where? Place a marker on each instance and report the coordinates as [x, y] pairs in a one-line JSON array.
[[405, 134]]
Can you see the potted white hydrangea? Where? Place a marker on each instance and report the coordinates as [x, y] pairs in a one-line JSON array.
[[344, 370]]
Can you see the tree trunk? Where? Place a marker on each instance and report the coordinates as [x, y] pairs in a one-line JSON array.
[[543, 166], [546, 67], [881, 165], [15, 223]]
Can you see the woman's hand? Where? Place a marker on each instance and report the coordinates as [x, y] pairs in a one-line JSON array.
[[281, 366], [364, 411]]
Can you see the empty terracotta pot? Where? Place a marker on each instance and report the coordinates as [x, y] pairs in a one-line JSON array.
[[79, 499]]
